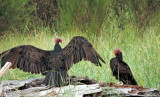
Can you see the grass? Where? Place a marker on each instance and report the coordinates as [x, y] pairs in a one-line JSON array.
[[141, 53]]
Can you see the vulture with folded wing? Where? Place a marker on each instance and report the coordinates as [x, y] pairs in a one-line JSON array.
[[121, 70], [53, 64]]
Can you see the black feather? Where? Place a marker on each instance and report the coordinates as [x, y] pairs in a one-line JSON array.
[[55, 63], [121, 70]]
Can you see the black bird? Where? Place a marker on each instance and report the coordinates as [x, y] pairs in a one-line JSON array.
[[121, 70], [55, 63]]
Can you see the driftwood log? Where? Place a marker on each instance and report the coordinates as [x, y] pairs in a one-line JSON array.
[[78, 87]]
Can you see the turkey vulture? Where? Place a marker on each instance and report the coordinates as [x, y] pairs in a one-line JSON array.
[[53, 64], [121, 70]]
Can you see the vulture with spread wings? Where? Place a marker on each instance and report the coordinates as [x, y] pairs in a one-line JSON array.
[[53, 64]]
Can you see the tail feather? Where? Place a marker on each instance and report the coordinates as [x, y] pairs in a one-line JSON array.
[[133, 82], [56, 78]]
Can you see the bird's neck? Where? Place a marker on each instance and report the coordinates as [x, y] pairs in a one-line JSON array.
[[119, 56], [57, 48]]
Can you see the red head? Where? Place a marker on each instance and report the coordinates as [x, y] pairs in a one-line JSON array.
[[117, 52], [58, 40]]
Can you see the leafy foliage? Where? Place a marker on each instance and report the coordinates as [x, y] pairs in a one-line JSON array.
[[92, 17], [84, 15], [15, 14]]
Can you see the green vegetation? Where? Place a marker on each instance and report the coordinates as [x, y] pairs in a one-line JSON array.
[[142, 55], [131, 25], [92, 17]]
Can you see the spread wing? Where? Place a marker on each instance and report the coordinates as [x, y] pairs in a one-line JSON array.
[[31, 59], [27, 58], [77, 49]]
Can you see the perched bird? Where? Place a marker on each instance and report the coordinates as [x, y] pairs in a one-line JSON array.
[[53, 64], [121, 70]]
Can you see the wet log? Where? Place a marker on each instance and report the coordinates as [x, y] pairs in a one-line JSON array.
[[78, 87]]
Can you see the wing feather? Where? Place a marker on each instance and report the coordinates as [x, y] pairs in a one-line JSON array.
[[31, 59], [27, 58], [77, 49]]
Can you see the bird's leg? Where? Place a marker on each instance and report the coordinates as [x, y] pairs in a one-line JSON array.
[[5, 68]]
